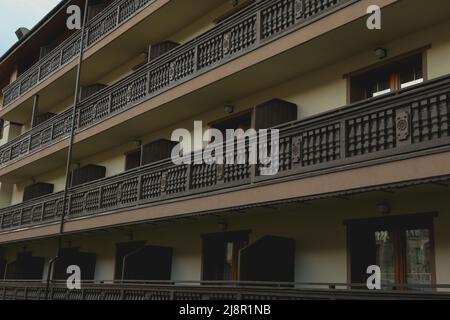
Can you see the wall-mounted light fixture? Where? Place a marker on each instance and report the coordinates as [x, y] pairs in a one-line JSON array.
[[380, 53], [384, 207], [229, 108]]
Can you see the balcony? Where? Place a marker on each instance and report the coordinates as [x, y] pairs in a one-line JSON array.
[[207, 291], [103, 24], [253, 27], [409, 124]]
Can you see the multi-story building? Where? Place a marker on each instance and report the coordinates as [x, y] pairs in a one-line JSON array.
[[364, 156]]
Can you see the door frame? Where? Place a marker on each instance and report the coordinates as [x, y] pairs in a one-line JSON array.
[[396, 222]]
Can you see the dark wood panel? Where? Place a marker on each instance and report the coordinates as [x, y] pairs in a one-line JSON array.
[[157, 151], [87, 174], [274, 112], [43, 117], [270, 259], [158, 49], [37, 190], [87, 91], [148, 263], [73, 257], [25, 267]]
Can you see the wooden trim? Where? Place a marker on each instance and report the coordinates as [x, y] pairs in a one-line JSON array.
[[413, 218], [387, 62], [425, 65]]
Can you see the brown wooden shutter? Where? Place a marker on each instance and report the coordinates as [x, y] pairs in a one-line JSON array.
[[37, 190], [87, 174], [122, 250], [157, 151], [96, 8], [148, 263], [270, 259], [43, 118], [73, 256], [26, 267], [133, 159], [87, 91], [158, 49], [45, 50], [274, 112]]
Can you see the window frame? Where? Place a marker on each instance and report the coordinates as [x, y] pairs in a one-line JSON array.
[[397, 224], [394, 78]]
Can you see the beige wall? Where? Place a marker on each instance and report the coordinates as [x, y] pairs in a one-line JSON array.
[[318, 230], [201, 25]]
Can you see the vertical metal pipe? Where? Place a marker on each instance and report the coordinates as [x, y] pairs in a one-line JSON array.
[[35, 111], [70, 148]]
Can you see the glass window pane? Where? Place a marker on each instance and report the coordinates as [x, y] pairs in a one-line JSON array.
[[418, 257], [379, 87], [385, 258], [412, 75]]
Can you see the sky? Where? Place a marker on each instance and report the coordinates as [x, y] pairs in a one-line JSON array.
[[20, 13]]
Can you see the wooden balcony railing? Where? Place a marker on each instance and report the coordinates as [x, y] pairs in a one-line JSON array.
[[410, 123], [248, 29], [210, 291], [113, 16]]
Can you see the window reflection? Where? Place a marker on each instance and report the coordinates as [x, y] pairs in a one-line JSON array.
[[385, 258], [418, 257]]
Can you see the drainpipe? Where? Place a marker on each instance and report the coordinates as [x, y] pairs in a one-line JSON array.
[[35, 111], [70, 150]]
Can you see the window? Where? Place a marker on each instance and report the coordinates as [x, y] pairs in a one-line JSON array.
[[133, 159], [390, 77], [401, 246]]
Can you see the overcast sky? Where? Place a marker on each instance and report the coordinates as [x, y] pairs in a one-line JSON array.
[[20, 13]]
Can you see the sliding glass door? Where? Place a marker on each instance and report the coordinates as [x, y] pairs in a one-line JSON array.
[[401, 247]]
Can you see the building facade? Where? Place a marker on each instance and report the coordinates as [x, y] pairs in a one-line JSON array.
[[363, 117]]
